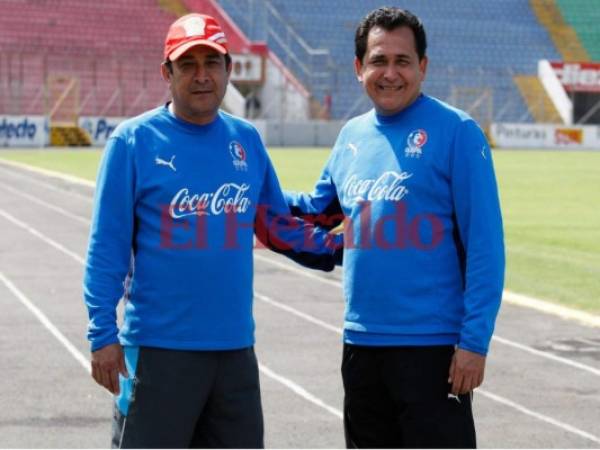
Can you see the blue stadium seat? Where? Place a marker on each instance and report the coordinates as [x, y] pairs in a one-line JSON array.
[[471, 44]]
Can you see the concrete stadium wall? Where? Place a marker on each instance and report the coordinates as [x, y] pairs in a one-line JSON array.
[[99, 128], [545, 136], [298, 134], [282, 98], [274, 133], [34, 131], [24, 131]]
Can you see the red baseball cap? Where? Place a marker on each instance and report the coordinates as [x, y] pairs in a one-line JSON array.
[[191, 30]]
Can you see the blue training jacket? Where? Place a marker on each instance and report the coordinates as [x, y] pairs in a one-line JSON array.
[[423, 250], [177, 206]]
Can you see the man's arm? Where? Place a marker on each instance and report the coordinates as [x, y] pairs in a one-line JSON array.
[[298, 239], [107, 363], [108, 260], [322, 205], [479, 222]]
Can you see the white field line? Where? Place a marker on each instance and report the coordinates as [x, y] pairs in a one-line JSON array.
[[294, 387], [541, 417], [298, 313], [48, 325], [552, 308], [43, 184], [331, 282], [48, 205], [544, 306], [497, 398], [42, 236], [297, 270], [297, 389], [525, 348], [519, 299], [49, 173], [508, 296], [85, 363], [547, 355]]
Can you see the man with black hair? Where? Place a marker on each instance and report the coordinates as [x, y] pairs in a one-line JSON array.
[[423, 250]]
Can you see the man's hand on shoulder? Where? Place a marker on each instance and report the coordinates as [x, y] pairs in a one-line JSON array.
[[107, 363], [466, 371]]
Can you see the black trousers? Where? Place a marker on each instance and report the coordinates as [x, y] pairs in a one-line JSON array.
[[398, 397], [192, 399]]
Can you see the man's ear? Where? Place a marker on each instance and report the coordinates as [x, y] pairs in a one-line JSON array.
[[423, 67], [164, 71], [228, 69], [358, 69]]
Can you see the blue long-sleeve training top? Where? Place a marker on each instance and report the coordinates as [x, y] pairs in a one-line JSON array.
[[176, 207], [423, 250]]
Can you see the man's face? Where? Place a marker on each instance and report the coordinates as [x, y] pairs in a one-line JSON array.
[[198, 84], [391, 72]]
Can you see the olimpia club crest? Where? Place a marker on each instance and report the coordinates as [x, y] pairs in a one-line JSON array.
[[239, 156], [414, 144]]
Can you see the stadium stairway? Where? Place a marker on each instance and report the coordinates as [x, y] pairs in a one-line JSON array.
[[175, 7], [584, 17], [538, 102], [69, 136], [471, 47], [115, 58], [562, 34]]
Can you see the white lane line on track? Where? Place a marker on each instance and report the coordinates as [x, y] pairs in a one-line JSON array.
[[299, 390], [49, 173], [508, 296], [42, 237], [502, 400], [485, 393], [563, 312], [50, 206], [551, 308], [525, 348], [496, 338], [294, 387], [298, 313], [541, 417], [297, 270], [46, 323], [335, 283], [85, 363], [43, 184], [547, 355]]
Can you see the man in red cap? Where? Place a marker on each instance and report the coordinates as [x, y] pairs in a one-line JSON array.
[[183, 188], [196, 40]]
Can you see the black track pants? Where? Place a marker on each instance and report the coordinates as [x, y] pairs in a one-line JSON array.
[[398, 397]]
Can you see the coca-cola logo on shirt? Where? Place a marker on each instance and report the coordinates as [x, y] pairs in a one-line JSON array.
[[229, 198], [388, 187]]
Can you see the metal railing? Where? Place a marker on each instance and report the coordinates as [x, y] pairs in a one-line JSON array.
[[127, 90], [261, 20]]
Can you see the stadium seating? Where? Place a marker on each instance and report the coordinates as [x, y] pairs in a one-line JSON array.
[[113, 48], [469, 45], [584, 16]]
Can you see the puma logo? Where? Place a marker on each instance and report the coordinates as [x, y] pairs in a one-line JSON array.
[[453, 397], [353, 149], [162, 162]]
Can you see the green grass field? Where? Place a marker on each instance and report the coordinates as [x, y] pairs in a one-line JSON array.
[[550, 201]]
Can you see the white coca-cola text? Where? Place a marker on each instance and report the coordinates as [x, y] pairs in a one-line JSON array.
[[229, 198], [387, 187]]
